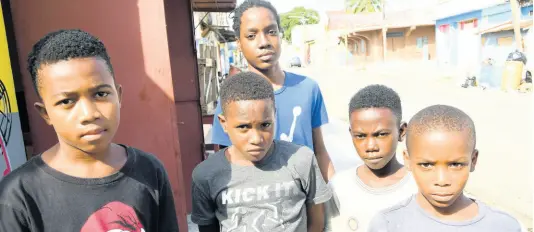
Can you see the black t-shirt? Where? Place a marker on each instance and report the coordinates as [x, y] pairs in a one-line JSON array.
[[138, 198]]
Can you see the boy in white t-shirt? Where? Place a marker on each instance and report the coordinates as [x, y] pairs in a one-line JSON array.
[[376, 127]]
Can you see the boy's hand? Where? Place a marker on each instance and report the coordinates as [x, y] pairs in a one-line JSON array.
[[315, 218], [323, 158]]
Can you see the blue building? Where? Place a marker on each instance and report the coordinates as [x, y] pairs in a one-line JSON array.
[[457, 41], [468, 39], [497, 39]]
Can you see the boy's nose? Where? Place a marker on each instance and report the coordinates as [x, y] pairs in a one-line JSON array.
[[265, 43], [255, 138], [442, 178], [89, 112], [371, 145]]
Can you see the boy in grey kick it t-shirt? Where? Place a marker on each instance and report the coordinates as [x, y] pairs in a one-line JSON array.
[[257, 184], [440, 154]]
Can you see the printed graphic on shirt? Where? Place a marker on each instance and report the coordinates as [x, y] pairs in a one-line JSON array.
[[353, 224], [297, 110], [114, 217], [260, 208]]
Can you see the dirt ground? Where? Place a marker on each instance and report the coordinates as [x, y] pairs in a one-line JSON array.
[[503, 176]]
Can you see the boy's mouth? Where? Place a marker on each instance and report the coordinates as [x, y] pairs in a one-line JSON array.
[[374, 159], [94, 133], [442, 197], [258, 151]]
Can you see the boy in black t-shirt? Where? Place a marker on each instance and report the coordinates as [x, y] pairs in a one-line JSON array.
[[85, 182]]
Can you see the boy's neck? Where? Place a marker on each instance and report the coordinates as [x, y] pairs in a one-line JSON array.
[[275, 75], [389, 175], [462, 209], [75, 162], [391, 168], [234, 156]]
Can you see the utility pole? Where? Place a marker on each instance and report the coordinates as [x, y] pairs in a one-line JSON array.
[[516, 20]]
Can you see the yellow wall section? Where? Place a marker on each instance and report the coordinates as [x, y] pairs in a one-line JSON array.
[[6, 74]]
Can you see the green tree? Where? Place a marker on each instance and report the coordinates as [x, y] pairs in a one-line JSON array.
[[297, 16], [363, 6]]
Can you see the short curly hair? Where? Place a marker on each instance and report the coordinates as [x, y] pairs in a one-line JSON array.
[[245, 86], [377, 96], [441, 118], [247, 4], [64, 45]]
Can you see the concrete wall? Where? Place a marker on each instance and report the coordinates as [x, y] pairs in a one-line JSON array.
[[449, 49], [151, 47], [405, 47], [398, 48], [373, 47]]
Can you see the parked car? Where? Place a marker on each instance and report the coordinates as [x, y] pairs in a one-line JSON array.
[[295, 61]]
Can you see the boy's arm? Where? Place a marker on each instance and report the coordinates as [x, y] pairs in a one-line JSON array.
[[315, 217], [12, 220], [325, 163], [320, 118], [167, 211]]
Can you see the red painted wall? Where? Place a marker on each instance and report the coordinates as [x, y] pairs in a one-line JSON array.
[[151, 47]]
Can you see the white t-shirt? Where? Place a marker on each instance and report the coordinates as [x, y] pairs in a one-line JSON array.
[[354, 203]]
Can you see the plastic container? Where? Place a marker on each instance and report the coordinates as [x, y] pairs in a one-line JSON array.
[[512, 75]]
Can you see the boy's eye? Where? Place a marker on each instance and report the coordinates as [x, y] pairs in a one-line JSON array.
[[102, 94], [456, 165], [426, 165], [359, 136], [242, 127], [65, 102], [273, 32], [266, 125], [250, 36], [383, 134]]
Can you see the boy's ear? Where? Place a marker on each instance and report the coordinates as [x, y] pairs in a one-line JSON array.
[[406, 157], [222, 120], [474, 159], [238, 42], [119, 93], [40, 107], [402, 131]]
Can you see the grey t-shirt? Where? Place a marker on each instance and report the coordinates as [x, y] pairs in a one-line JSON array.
[[270, 196], [408, 216]]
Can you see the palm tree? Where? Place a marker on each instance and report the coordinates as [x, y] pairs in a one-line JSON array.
[[363, 6]]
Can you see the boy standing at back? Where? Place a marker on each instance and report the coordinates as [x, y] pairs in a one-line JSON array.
[[257, 184], [85, 182], [376, 126], [300, 110], [441, 152]]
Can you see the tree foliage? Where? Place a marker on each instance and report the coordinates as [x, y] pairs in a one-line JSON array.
[[363, 6], [297, 16]]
